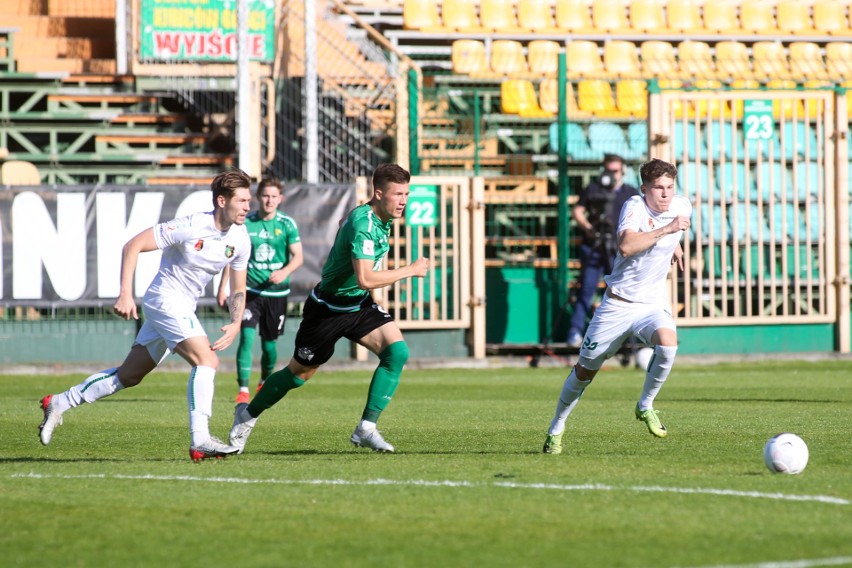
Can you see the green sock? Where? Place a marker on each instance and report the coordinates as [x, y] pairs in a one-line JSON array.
[[244, 356], [274, 388], [268, 357], [385, 380]]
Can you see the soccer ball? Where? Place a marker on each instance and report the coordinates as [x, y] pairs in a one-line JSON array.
[[785, 453]]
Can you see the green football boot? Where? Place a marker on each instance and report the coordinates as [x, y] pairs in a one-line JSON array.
[[652, 421], [553, 444]]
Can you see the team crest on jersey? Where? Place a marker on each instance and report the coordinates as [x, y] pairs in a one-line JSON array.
[[278, 232], [200, 244], [369, 248], [229, 251], [650, 223]]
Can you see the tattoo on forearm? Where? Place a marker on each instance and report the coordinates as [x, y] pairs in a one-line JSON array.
[[238, 301]]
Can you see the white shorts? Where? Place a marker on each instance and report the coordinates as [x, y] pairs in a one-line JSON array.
[[614, 322], [167, 323]]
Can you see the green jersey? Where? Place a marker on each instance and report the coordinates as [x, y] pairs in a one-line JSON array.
[[270, 251], [362, 236]]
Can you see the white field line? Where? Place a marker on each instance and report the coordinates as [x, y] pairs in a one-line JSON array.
[[811, 563], [466, 484]]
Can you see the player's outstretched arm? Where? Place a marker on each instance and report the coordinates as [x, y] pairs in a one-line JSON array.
[[125, 305], [369, 280], [236, 307]]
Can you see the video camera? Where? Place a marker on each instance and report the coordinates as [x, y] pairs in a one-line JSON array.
[[607, 179]]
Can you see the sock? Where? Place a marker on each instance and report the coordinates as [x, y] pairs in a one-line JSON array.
[[385, 380], [658, 370], [572, 389], [274, 388], [244, 356], [268, 357], [95, 387], [366, 425], [199, 392]]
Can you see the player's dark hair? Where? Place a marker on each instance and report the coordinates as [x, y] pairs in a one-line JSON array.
[[389, 173], [270, 182], [655, 168], [227, 182]]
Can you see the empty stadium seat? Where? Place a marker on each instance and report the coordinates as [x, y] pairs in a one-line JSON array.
[[543, 57], [794, 17], [806, 61], [770, 61], [535, 16], [757, 17], [498, 16], [609, 15], [608, 138], [746, 220], [637, 136], [595, 96], [577, 142], [838, 60], [773, 178], [808, 179], [420, 14], [723, 140], [800, 139], [687, 143], [469, 58], [507, 58], [720, 16], [647, 16], [695, 60], [631, 97], [621, 59], [19, 172], [683, 16], [548, 91], [517, 96], [573, 16], [830, 17], [733, 61], [734, 180], [694, 182], [786, 107], [459, 15], [658, 60], [583, 59]]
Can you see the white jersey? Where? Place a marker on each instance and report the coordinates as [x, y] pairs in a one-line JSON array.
[[194, 251], [642, 277]]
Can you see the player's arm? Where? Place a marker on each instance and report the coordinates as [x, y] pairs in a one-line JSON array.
[[222, 293], [296, 260], [370, 280], [236, 307], [632, 242], [677, 257], [578, 212], [125, 305]]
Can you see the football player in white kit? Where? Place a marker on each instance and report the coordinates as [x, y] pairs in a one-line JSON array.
[[195, 248], [635, 302]]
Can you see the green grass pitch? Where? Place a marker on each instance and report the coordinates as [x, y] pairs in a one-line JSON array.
[[468, 485]]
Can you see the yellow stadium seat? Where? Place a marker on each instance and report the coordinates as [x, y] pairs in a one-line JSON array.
[[770, 61], [595, 96], [787, 108], [806, 61], [838, 60], [459, 15], [609, 15], [815, 107], [19, 172], [469, 58], [830, 17], [741, 85], [536, 16], [420, 14], [647, 16], [733, 61], [631, 97], [507, 58], [794, 17], [658, 59], [543, 57], [757, 17], [583, 59], [683, 16], [548, 91], [621, 59], [517, 96], [695, 60], [573, 16], [720, 16], [498, 16]]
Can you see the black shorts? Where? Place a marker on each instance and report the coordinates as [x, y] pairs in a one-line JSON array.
[[321, 328], [268, 312]]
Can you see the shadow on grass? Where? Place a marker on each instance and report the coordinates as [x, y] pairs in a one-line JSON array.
[[794, 400]]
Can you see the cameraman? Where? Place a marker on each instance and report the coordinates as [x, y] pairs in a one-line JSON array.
[[596, 214]]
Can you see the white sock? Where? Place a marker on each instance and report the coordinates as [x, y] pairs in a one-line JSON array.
[[95, 387], [366, 425], [572, 389], [199, 394], [658, 371]]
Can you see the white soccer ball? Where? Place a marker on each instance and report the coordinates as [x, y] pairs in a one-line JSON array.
[[643, 357], [785, 453]]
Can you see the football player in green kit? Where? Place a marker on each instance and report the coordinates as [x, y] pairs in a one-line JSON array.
[[341, 306], [276, 252]]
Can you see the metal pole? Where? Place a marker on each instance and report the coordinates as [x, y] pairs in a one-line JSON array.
[[121, 37], [413, 124], [476, 123], [562, 137], [311, 106], [243, 88]]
